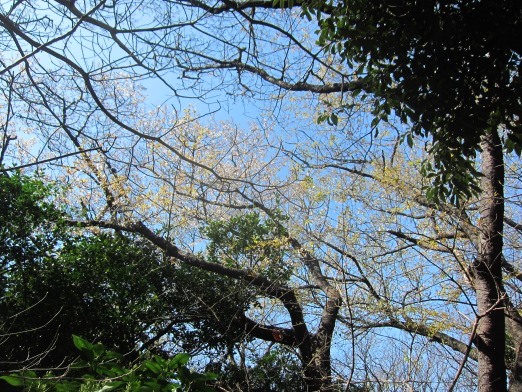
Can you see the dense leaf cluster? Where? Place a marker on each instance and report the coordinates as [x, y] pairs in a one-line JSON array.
[[273, 371], [248, 241], [451, 68], [57, 281], [99, 369]]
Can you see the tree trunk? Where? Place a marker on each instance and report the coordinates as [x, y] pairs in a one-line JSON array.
[[316, 357], [490, 338], [317, 371]]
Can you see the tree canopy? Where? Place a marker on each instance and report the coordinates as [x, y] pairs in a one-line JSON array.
[[441, 67], [235, 177]]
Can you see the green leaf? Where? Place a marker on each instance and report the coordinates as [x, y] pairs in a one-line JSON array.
[[81, 343], [333, 119], [15, 381], [306, 12], [409, 140], [111, 386], [98, 349], [180, 359], [322, 118], [153, 366]]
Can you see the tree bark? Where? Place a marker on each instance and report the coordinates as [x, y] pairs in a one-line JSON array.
[[490, 340]]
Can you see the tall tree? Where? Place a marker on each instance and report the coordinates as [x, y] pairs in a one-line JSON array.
[[435, 67], [461, 85], [164, 174]]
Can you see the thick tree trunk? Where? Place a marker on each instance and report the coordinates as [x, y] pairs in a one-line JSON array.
[[317, 363], [319, 377], [317, 370], [315, 380], [490, 339], [316, 352]]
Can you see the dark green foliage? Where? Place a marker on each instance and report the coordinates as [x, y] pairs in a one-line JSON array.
[[209, 305], [99, 369], [56, 283], [451, 68], [100, 286], [215, 304], [26, 231], [247, 241], [276, 370], [105, 287], [27, 238], [120, 290]]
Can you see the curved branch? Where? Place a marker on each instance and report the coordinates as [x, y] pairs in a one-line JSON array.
[[283, 293], [268, 333], [513, 224], [423, 330], [327, 88]]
